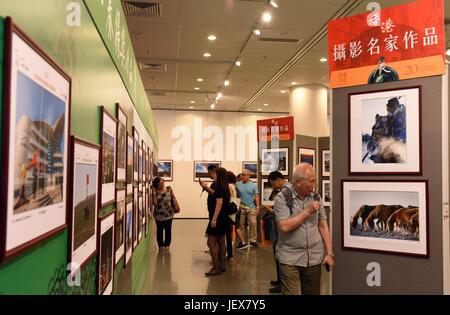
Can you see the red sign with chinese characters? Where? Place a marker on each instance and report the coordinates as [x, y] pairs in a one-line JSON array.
[[270, 128], [402, 42]]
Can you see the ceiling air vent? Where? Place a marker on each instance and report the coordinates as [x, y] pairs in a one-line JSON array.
[[134, 8], [156, 93], [153, 67], [278, 40]]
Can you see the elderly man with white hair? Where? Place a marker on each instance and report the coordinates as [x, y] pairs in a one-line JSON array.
[[304, 242]]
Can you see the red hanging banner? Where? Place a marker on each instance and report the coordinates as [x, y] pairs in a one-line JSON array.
[[270, 128], [398, 43]]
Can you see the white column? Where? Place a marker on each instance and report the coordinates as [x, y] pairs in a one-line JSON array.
[[309, 106]]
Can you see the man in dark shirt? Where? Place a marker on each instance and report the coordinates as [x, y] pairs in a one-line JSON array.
[[211, 200]]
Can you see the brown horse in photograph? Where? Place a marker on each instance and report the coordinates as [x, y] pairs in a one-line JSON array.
[[382, 214], [414, 224], [401, 218], [363, 212]]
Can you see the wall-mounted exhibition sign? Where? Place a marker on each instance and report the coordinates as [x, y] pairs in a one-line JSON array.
[[398, 43], [281, 127]]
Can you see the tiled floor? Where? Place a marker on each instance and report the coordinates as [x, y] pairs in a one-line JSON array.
[[181, 271]]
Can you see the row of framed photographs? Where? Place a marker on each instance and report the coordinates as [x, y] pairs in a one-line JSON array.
[[112, 236], [125, 158], [308, 155]]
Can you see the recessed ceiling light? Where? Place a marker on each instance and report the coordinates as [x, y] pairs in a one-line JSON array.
[[259, 109], [220, 95], [274, 4], [207, 55], [238, 63], [200, 80], [294, 83], [257, 32], [192, 102], [283, 92], [196, 88], [212, 37], [191, 107], [212, 106], [323, 59], [226, 83], [447, 52], [266, 104], [267, 17]]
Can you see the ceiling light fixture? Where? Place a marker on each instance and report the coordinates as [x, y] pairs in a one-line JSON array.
[[274, 4], [200, 80], [266, 104], [238, 63], [323, 59], [196, 88], [212, 106], [192, 102], [293, 83], [267, 17], [226, 83], [448, 52], [212, 37], [257, 32], [191, 107], [283, 92], [259, 109], [207, 55]]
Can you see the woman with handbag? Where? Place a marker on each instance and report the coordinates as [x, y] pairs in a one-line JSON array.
[[234, 218], [219, 222], [165, 206]]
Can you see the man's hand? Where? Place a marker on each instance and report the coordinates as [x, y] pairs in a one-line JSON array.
[[313, 207], [202, 183], [328, 260]]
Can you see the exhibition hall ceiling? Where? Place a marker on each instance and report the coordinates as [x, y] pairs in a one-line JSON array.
[[182, 69]]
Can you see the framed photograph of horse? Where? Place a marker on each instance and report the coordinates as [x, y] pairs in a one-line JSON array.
[[385, 216], [385, 132]]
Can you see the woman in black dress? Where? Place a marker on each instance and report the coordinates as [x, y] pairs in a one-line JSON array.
[[218, 223]]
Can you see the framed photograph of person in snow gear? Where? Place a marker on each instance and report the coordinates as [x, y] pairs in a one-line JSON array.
[[385, 135], [386, 216], [83, 202], [35, 144]]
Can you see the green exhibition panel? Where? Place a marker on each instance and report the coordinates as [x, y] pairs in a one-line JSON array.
[[71, 33]]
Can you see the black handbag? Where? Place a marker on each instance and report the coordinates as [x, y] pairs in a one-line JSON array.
[[232, 208]]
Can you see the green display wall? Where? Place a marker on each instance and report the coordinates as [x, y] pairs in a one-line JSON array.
[[96, 82]]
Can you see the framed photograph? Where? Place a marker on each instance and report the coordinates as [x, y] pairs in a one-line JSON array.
[[108, 169], [386, 216], [135, 155], [35, 144], [307, 155], [326, 163], [140, 165], [165, 170], [268, 193], [130, 165], [144, 164], [121, 145], [120, 225], [252, 167], [326, 193], [140, 217], [135, 216], [385, 132], [82, 202], [128, 233], [201, 170], [105, 273], [275, 160]]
